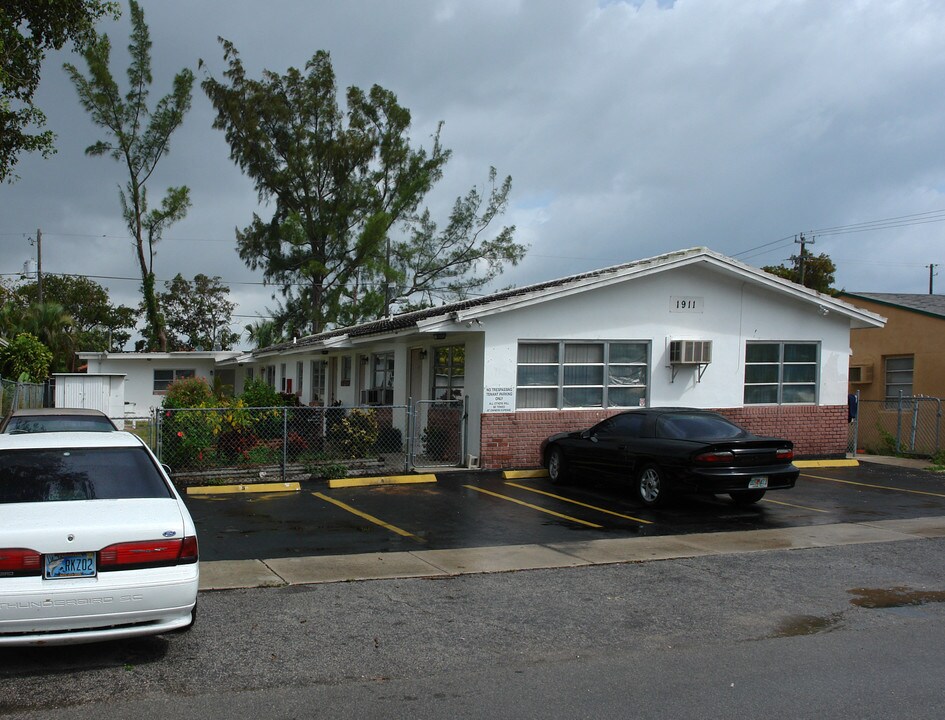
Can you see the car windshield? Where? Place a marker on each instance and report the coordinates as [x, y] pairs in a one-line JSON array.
[[59, 423], [698, 427], [47, 475]]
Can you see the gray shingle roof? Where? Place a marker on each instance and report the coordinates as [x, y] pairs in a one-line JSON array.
[[410, 319], [929, 304]]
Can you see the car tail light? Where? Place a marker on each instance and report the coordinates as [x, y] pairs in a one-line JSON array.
[[149, 553], [19, 562], [785, 454], [716, 457]]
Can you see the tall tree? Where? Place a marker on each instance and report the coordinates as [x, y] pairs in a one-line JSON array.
[[818, 272], [341, 183], [198, 313], [28, 29], [138, 138], [49, 322], [97, 324]]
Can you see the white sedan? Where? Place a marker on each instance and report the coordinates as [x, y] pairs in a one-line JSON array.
[[95, 542]]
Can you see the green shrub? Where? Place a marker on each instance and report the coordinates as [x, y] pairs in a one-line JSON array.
[[259, 394], [358, 432], [190, 392]]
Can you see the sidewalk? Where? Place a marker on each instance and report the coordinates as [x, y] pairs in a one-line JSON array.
[[278, 572]]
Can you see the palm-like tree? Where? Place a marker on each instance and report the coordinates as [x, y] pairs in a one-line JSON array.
[[47, 321]]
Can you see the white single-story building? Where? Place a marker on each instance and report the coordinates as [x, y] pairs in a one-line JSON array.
[[147, 375], [689, 328]]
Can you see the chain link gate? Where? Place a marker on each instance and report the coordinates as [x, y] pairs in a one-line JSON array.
[[437, 436], [904, 426]]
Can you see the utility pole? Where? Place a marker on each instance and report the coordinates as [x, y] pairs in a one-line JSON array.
[[931, 267], [39, 265], [803, 241]]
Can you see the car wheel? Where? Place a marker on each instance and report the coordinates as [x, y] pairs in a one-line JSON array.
[[747, 497], [651, 486], [557, 466]]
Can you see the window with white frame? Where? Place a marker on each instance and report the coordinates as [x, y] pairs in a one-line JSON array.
[[382, 371], [781, 373], [319, 375], [163, 378], [560, 374], [449, 372], [899, 376]]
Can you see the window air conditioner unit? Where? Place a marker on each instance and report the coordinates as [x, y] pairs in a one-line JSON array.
[[861, 374], [690, 352]]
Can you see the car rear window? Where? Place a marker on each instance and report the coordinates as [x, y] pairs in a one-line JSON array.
[[49, 475], [74, 423], [698, 427]]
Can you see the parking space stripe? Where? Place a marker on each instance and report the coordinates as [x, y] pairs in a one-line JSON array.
[[577, 502], [802, 507], [877, 487], [533, 507], [370, 518]]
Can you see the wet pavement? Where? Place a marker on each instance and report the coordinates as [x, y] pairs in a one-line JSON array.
[[479, 509]]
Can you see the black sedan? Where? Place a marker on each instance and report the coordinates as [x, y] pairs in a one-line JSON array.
[[668, 451]]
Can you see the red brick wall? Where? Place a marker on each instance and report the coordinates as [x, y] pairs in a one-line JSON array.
[[512, 440]]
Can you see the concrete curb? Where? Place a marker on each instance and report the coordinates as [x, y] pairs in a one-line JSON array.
[[230, 574], [381, 480], [248, 488]]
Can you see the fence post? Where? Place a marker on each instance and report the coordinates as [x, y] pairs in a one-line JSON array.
[[408, 450], [856, 425], [915, 421], [407, 433], [158, 435], [285, 440], [899, 425]]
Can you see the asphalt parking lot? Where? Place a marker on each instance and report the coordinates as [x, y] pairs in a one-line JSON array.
[[479, 509]]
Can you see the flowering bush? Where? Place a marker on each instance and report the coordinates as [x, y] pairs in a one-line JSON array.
[[358, 432]]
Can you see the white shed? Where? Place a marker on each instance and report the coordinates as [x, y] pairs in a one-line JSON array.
[[95, 391]]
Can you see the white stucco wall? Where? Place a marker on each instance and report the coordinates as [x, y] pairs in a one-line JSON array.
[[140, 398], [732, 313]]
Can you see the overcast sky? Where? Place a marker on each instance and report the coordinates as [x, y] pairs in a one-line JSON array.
[[630, 129]]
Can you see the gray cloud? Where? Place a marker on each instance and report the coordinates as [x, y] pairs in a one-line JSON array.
[[629, 129]]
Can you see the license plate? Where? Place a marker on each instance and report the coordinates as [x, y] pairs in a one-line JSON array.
[[70, 565], [758, 482]]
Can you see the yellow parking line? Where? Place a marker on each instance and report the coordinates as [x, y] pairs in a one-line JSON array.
[[802, 507], [878, 487], [576, 502], [371, 518], [533, 507]]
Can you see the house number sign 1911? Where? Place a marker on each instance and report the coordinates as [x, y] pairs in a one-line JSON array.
[[679, 303]]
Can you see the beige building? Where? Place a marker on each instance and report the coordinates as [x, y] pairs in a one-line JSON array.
[[906, 355]]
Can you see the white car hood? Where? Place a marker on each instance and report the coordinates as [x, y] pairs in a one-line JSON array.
[[47, 527]]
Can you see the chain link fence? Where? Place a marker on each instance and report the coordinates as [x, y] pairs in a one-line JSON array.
[[905, 426], [203, 445]]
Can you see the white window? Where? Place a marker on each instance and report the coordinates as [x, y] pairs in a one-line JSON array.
[[163, 378], [382, 371], [562, 374], [319, 375], [899, 376], [781, 373], [449, 372]]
